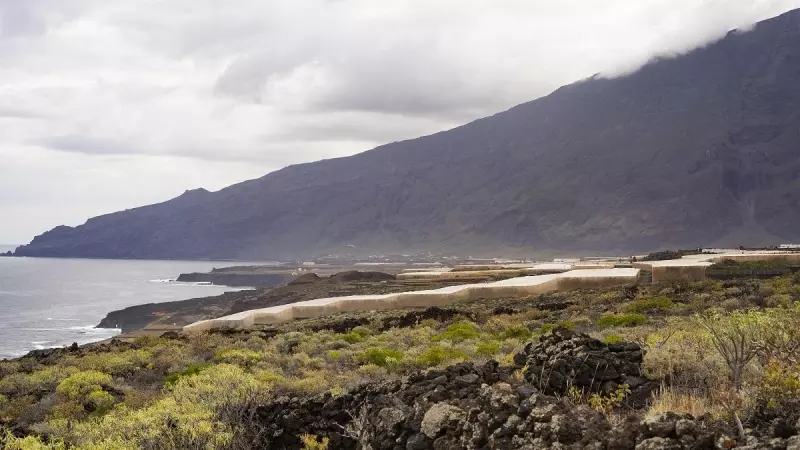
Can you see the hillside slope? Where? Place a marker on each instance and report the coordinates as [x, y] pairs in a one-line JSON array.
[[700, 149]]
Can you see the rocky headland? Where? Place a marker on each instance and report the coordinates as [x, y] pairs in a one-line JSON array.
[[309, 286], [242, 276]]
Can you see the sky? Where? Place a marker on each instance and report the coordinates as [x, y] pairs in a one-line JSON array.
[[108, 105]]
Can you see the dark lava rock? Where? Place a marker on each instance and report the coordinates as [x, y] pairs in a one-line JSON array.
[[414, 318], [355, 275], [563, 359], [469, 406], [306, 278], [342, 326]]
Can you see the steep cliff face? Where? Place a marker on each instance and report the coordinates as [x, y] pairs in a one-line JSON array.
[[695, 150]]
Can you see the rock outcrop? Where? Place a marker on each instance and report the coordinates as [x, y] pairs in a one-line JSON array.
[[563, 360], [255, 280]]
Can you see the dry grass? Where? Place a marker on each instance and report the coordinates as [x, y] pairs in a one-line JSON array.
[[671, 400]]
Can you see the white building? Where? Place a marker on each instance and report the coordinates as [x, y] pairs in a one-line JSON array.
[[567, 260], [789, 246]]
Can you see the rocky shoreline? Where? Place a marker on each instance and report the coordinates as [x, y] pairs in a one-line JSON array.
[[162, 316]]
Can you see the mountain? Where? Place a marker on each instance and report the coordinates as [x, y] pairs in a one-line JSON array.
[[699, 149]]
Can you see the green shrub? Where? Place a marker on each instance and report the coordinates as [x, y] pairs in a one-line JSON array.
[[82, 384], [651, 304], [613, 339], [239, 357], [362, 331], [607, 298], [46, 379], [11, 442], [670, 254], [458, 332], [622, 320], [190, 371], [69, 411], [516, 332], [779, 301], [780, 385], [435, 355], [488, 349], [729, 264], [353, 337], [312, 442], [546, 328], [114, 363], [102, 401], [357, 334], [380, 356]]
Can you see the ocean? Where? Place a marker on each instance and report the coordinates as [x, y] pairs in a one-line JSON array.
[[48, 302]]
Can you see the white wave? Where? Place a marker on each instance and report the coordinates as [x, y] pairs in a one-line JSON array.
[[91, 329], [166, 280]]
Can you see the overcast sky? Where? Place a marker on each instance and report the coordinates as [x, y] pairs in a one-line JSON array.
[[107, 105]]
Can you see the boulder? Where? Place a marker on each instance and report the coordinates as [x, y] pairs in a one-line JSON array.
[[437, 417]]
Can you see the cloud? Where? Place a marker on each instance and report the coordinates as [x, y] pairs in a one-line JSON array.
[[256, 85], [85, 145]]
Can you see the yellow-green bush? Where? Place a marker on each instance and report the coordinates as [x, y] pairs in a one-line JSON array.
[[68, 411], [81, 384], [353, 337], [516, 332], [458, 332], [613, 339], [45, 379], [101, 400], [187, 417], [779, 301], [435, 355], [381, 356], [308, 383], [649, 304], [488, 349], [241, 357], [621, 320], [606, 298], [10, 442], [780, 385], [114, 363], [172, 356], [548, 327], [190, 371]]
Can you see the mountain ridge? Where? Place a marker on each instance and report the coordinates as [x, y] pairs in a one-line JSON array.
[[692, 150]]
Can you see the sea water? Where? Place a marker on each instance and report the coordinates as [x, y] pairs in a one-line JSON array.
[[48, 302]]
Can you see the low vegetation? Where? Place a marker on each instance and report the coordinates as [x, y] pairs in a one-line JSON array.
[[671, 254], [774, 264], [729, 350]]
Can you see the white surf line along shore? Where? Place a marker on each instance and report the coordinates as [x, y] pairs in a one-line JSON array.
[[514, 287]]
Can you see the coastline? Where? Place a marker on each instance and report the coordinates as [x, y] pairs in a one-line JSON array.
[[53, 302]]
